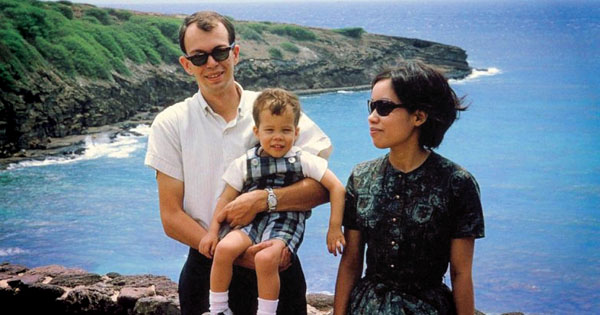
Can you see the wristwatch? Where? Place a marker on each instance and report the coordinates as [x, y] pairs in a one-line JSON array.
[[271, 200]]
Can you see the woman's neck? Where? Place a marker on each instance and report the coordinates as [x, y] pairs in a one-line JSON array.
[[408, 158]]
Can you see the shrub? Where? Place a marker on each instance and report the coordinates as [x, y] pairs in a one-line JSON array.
[[287, 46], [56, 55], [65, 10], [354, 32], [275, 53], [99, 14], [293, 31], [87, 61], [257, 27], [120, 14], [248, 33], [29, 21]]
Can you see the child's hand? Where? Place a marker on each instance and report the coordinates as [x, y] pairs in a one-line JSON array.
[[335, 241], [208, 244]]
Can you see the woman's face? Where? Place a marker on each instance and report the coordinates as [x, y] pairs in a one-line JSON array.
[[396, 130]]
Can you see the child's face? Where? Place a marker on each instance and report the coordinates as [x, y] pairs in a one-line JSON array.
[[276, 133]]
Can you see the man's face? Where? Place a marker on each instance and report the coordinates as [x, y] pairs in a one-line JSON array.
[[214, 77]]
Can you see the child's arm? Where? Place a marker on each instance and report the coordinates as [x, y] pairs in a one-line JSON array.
[[337, 195], [210, 240]]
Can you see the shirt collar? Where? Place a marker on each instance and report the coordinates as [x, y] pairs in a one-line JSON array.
[[206, 109]]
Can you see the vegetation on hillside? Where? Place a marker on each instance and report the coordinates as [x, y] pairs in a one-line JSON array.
[[80, 39], [83, 40]]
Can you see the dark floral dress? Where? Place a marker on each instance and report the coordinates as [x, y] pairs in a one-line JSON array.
[[407, 221]]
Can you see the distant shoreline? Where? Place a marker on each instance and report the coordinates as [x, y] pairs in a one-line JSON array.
[[73, 145]]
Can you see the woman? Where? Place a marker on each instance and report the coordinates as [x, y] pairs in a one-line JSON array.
[[415, 210]]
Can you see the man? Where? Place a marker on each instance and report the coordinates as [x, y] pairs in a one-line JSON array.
[[191, 144]]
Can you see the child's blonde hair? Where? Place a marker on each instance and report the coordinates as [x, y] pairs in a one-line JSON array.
[[277, 101]]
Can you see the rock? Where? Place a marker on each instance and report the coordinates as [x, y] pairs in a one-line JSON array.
[[157, 305], [55, 270], [320, 301], [73, 280], [163, 285], [88, 300], [129, 296], [10, 269]]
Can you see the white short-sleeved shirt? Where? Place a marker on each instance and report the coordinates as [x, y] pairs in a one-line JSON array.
[[312, 166], [190, 142]]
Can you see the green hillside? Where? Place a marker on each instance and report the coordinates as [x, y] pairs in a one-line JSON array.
[[80, 39]]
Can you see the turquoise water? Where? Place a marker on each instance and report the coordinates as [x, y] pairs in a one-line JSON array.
[[530, 138]]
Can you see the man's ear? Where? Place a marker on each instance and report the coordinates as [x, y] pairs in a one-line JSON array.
[[236, 54], [186, 64], [420, 117]]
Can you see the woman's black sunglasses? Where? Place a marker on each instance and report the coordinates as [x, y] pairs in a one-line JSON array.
[[383, 107], [218, 53]]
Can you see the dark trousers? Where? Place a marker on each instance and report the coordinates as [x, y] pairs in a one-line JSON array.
[[194, 284]]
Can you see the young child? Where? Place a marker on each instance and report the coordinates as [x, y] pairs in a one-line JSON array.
[[274, 163]]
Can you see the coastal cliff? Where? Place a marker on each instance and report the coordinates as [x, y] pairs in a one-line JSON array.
[[65, 68]]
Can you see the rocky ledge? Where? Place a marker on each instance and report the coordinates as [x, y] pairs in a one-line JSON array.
[[56, 289]]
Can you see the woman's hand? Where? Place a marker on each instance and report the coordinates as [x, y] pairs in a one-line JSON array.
[[335, 241], [208, 244]]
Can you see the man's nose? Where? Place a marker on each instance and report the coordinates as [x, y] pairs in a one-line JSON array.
[[211, 62]]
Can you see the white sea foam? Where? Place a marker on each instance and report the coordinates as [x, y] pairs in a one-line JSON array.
[[96, 146], [476, 74], [11, 251], [345, 92]]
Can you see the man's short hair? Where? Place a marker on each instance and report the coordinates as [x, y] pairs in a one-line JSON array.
[[206, 21], [278, 101], [424, 88]]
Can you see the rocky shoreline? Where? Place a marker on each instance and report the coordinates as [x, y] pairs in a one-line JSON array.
[[73, 145], [57, 289]]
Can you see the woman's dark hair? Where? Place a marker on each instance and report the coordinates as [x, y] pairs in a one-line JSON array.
[[206, 21], [421, 87]]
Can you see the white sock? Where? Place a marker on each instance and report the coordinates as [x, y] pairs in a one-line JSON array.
[[218, 301], [267, 307]]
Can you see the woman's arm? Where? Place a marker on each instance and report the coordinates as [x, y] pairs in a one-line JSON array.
[[349, 272], [461, 261]]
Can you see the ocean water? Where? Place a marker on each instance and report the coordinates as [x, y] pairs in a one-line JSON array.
[[530, 137]]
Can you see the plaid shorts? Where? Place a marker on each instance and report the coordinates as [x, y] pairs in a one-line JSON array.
[[287, 226]]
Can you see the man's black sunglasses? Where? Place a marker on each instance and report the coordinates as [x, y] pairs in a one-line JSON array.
[[218, 53], [383, 107]]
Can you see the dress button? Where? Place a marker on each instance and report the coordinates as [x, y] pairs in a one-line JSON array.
[[397, 197], [392, 266], [292, 159], [399, 175], [394, 219], [393, 243]]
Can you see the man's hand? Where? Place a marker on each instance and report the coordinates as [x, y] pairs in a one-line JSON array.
[[335, 241], [208, 244], [242, 210], [246, 260]]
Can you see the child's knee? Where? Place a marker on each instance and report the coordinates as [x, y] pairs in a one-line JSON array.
[[226, 251], [269, 258]]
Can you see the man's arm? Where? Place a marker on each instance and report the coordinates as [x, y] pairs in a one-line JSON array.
[[300, 196], [177, 224], [461, 261]]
